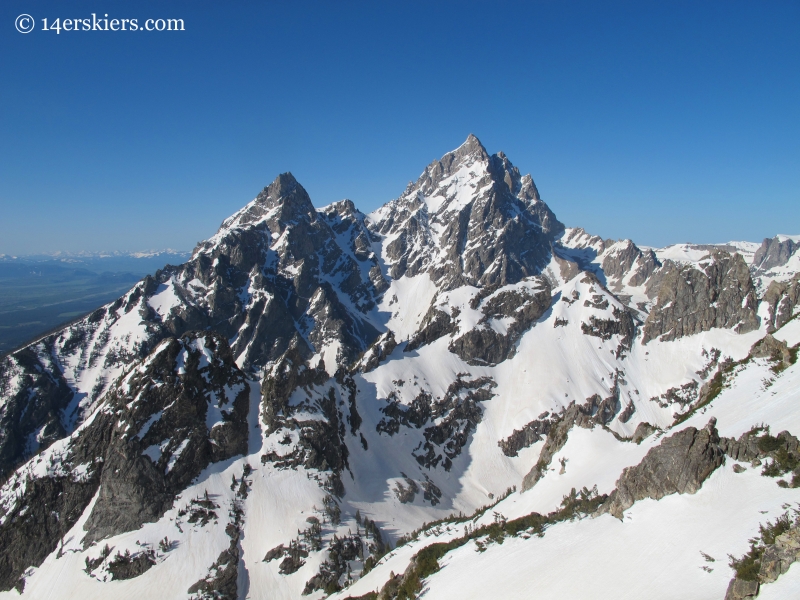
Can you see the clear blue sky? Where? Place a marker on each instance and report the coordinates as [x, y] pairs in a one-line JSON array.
[[659, 121]]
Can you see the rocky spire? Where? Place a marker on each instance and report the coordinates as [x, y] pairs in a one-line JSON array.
[[470, 218], [282, 202], [471, 152], [471, 147], [286, 194]]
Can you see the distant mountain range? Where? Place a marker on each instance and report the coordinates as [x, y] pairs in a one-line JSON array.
[[455, 396], [41, 292], [135, 262]]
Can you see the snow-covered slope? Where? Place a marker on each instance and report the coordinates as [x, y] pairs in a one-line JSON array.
[[272, 417]]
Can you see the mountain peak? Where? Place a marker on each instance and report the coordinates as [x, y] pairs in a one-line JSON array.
[[287, 192], [282, 202], [284, 198], [363, 375], [471, 149], [472, 146], [283, 184], [470, 218], [466, 155]]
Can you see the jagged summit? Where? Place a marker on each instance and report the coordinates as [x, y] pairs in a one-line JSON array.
[[272, 417], [472, 147], [290, 199], [281, 203], [471, 160], [469, 218]]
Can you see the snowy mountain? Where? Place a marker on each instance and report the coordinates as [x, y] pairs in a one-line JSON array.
[[40, 294], [454, 395], [99, 262]]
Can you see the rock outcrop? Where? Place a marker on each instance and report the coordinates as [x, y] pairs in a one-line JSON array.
[[772, 348], [164, 421], [377, 353], [626, 261], [782, 298], [595, 411], [774, 252], [513, 312], [303, 400], [740, 589], [36, 409], [452, 419], [778, 557], [530, 433], [691, 300], [771, 554], [435, 324], [678, 465], [622, 324]]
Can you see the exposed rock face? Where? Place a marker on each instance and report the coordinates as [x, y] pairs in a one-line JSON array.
[[622, 325], [679, 465], [772, 348], [513, 310], [222, 580], [435, 324], [197, 416], [774, 559], [691, 301], [595, 411], [128, 566], [170, 416], [531, 433], [617, 265], [739, 589], [302, 400], [774, 252], [683, 395], [454, 417], [782, 298], [32, 528], [285, 376], [556, 438], [279, 255], [35, 410], [342, 551], [624, 260], [470, 219], [778, 557], [416, 414], [378, 352], [406, 493], [756, 445], [454, 420], [578, 237], [642, 432]]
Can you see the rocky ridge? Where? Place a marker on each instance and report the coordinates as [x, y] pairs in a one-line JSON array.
[[390, 351]]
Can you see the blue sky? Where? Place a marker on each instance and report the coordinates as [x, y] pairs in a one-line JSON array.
[[660, 121]]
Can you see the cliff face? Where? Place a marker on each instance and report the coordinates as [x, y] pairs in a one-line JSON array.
[[690, 300]]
